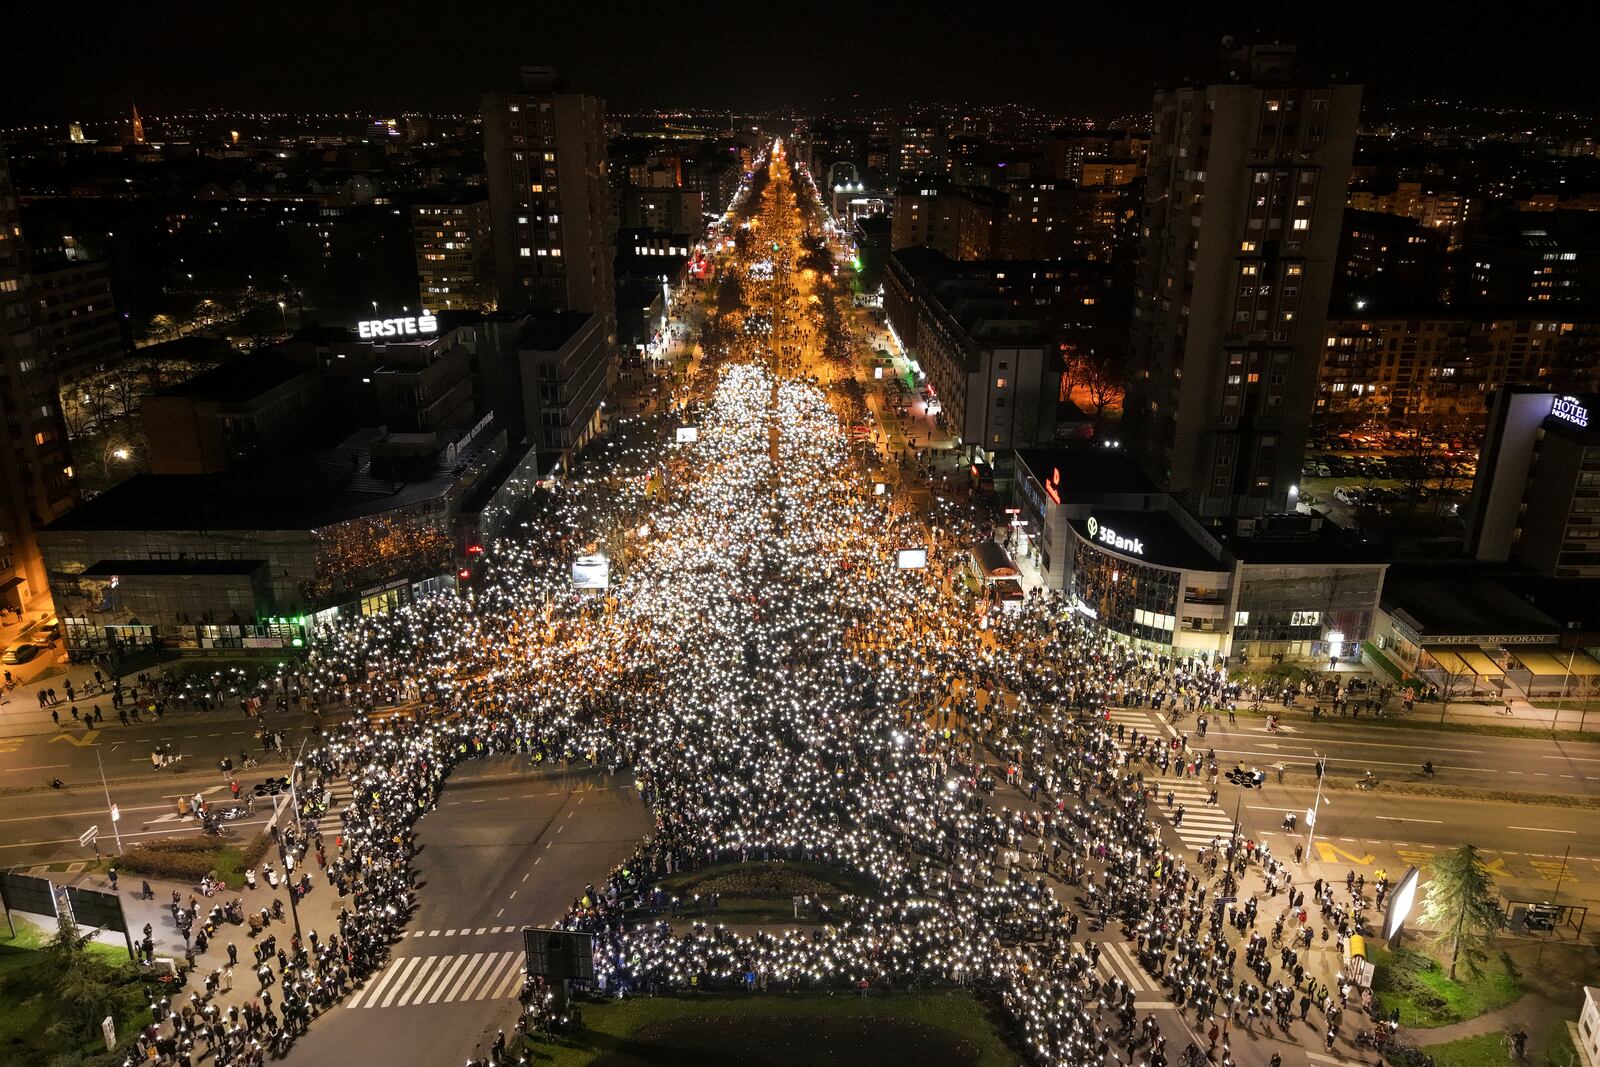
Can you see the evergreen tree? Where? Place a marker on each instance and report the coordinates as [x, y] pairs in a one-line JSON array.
[[1462, 907]]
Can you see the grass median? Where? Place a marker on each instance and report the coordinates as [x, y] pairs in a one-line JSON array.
[[51, 1003], [1422, 991], [781, 1030], [188, 859], [761, 891]]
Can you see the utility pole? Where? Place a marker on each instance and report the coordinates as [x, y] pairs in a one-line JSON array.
[[111, 809], [1555, 897], [1311, 819]]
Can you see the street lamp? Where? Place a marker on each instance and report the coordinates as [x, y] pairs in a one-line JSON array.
[[283, 310]]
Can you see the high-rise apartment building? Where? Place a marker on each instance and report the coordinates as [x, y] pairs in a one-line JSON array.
[[36, 484], [455, 252], [549, 198], [1246, 189]]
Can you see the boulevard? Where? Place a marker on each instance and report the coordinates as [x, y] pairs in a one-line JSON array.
[[762, 677]]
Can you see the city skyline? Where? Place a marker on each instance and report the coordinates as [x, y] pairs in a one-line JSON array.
[[1099, 64]]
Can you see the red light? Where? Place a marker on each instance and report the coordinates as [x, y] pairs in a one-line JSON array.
[[464, 573], [474, 550]]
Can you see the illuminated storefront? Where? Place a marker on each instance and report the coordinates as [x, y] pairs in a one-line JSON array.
[[1131, 556]]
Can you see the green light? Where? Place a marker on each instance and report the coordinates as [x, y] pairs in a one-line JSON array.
[[297, 643], [855, 261]]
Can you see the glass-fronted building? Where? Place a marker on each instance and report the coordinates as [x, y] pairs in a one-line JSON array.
[[1134, 558]]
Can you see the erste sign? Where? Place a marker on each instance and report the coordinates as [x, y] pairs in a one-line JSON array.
[[408, 326]]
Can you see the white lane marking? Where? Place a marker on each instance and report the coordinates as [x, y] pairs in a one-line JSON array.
[[1541, 829]]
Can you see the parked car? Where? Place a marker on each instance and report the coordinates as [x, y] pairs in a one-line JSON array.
[[21, 652], [1345, 494]]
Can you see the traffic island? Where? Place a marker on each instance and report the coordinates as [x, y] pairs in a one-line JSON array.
[[189, 859], [948, 1027]]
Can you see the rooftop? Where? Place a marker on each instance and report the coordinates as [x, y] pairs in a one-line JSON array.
[[1087, 471], [238, 380], [547, 333], [1463, 601], [304, 492]]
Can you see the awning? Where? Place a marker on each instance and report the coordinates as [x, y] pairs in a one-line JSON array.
[[1547, 664], [1480, 664], [1445, 656]]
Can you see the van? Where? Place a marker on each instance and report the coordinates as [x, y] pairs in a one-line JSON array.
[[51, 626], [21, 652]]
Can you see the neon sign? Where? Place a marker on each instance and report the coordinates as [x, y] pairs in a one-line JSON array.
[[409, 326], [1567, 409], [1107, 536]]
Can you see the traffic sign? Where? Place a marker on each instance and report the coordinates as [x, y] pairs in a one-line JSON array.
[[116, 816], [88, 837]]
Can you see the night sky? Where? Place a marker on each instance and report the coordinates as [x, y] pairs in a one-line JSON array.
[[85, 61]]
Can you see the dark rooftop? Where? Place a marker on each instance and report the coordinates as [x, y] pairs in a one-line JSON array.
[[1458, 601], [547, 333], [159, 568], [1087, 471], [238, 380]]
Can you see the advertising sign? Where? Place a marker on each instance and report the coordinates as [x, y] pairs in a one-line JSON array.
[[688, 435], [405, 326], [912, 559], [591, 572]]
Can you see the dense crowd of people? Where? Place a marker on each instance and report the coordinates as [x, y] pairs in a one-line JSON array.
[[778, 688]]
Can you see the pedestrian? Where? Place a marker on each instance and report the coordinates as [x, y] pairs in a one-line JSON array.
[[111, 876]]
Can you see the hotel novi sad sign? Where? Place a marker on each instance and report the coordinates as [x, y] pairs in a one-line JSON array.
[[1567, 409], [411, 326], [1107, 536]]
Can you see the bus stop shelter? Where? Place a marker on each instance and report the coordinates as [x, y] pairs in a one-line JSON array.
[[1530, 910]]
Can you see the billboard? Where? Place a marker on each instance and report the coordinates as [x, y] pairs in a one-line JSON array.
[[688, 435], [912, 559], [591, 572], [559, 954], [1401, 902]]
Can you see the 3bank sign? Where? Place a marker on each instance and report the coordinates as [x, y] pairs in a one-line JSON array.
[[409, 326], [1107, 536]]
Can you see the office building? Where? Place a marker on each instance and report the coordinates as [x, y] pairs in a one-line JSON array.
[[549, 199], [1134, 558], [455, 252], [566, 374], [1536, 494], [36, 475], [984, 346], [1238, 248]]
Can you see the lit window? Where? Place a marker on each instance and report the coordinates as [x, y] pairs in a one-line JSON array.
[[524, 251], [999, 383], [1302, 224]]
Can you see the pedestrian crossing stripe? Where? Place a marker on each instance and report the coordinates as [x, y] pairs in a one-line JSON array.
[[1117, 958], [468, 931], [456, 978]]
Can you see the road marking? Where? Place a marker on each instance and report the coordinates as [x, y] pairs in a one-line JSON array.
[[399, 984], [499, 913], [513, 895], [1396, 818], [1541, 829], [433, 933]]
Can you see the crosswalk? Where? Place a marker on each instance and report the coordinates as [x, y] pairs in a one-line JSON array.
[[1117, 960], [468, 931], [1202, 822], [446, 979]]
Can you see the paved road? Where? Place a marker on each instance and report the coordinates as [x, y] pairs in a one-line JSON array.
[[505, 848], [1459, 759]]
